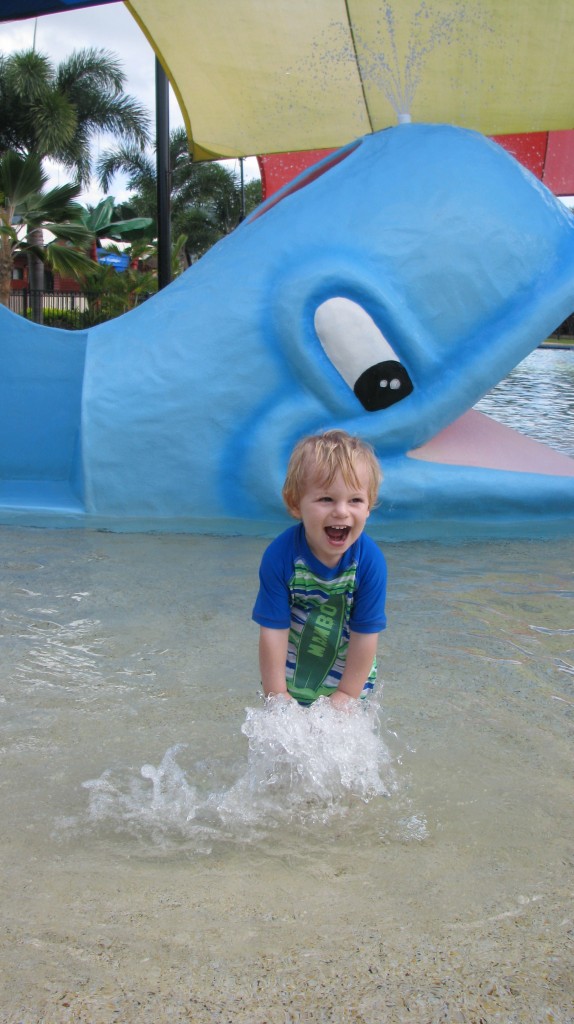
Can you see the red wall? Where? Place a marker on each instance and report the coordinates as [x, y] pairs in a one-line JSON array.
[[549, 155]]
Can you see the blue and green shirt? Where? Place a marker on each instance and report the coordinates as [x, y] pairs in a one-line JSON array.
[[320, 606]]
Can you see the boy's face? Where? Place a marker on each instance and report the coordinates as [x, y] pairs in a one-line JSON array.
[[333, 515]]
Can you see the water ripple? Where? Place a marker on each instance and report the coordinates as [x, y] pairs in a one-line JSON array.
[[537, 399], [61, 655]]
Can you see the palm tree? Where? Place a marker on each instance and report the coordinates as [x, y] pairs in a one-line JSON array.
[[108, 221], [27, 209], [115, 292], [205, 197], [57, 111]]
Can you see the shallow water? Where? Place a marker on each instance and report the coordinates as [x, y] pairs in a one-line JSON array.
[[174, 851]]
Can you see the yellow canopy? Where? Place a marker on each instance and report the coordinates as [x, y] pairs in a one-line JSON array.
[[265, 76]]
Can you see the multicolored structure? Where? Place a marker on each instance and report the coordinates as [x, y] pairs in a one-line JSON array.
[[383, 292]]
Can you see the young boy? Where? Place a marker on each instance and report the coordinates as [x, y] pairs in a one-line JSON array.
[[321, 601]]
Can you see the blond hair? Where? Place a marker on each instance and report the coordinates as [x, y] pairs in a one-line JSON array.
[[326, 455]]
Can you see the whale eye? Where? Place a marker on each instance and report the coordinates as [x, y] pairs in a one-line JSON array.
[[361, 354]]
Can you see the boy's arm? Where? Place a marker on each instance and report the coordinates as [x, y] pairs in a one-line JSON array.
[[360, 656], [272, 658]]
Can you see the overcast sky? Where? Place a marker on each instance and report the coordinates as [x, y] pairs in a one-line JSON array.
[[110, 27], [113, 28]]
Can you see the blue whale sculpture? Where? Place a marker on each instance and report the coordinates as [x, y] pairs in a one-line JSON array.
[[384, 292]]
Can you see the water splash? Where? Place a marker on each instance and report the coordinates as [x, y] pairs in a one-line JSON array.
[[303, 766], [393, 53], [307, 762], [129, 805], [396, 62]]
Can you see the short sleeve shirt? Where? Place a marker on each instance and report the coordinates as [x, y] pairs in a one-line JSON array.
[[320, 606]]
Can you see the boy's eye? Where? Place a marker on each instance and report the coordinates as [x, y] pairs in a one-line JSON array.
[[352, 501]]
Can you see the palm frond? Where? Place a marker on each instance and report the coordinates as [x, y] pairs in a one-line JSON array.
[[20, 177], [137, 165], [92, 67], [28, 74], [67, 261]]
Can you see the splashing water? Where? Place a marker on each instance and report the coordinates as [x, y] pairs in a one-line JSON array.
[[303, 765], [394, 56], [170, 803], [397, 66], [307, 761]]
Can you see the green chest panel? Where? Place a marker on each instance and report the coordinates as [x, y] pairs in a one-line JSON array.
[[318, 647]]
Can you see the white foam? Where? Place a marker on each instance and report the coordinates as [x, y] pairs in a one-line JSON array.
[[303, 764]]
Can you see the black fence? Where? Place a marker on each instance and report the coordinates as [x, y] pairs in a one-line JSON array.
[[73, 311]]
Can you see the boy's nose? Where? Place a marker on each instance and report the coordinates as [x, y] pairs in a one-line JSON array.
[[340, 508]]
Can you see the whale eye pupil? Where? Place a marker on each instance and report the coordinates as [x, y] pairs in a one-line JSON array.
[[383, 385]]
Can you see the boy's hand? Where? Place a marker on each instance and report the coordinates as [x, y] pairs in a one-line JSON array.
[[342, 700], [360, 656]]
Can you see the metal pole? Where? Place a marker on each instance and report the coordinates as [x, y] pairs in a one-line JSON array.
[[163, 176], [242, 212]]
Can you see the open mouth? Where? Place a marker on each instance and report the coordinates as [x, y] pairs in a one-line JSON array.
[[474, 439], [337, 533]]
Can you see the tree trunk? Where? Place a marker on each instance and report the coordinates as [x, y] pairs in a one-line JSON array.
[[36, 275], [5, 270]]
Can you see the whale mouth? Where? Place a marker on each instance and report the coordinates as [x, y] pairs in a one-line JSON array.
[[475, 439]]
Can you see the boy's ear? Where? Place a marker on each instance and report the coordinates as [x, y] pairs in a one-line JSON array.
[[293, 510]]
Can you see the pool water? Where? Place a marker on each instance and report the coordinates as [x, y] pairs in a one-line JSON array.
[[172, 850], [537, 398]]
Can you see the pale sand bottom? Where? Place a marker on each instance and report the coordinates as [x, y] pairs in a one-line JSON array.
[[131, 942], [362, 920]]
